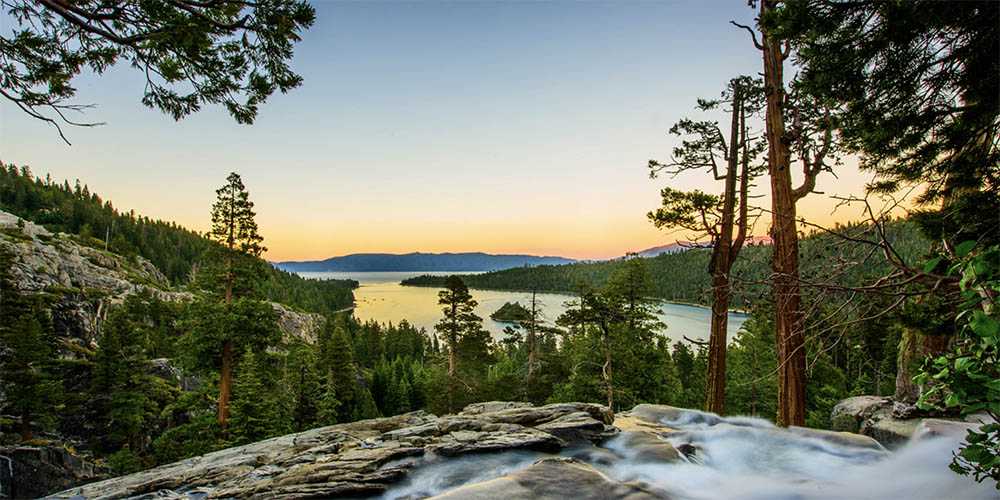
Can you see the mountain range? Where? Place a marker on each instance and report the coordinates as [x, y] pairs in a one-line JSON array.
[[387, 262]]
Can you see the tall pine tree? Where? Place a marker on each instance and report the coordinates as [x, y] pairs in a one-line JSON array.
[[234, 227]]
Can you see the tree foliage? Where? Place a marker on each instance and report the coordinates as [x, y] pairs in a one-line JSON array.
[[191, 52]]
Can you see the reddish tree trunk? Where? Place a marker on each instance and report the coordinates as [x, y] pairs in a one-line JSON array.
[[225, 383], [785, 260], [723, 254]]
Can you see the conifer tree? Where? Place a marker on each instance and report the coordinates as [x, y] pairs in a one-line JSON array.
[[122, 386], [26, 376], [365, 407], [256, 410], [459, 321], [328, 407], [343, 373], [234, 227], [306, 386], [726, 218]]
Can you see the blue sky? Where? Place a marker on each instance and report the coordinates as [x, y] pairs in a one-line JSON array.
[[430, 126]]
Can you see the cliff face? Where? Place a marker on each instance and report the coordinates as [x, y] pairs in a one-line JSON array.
[[85, 281]]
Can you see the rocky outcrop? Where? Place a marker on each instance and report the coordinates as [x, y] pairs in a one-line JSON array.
[[554, 479], [361, 458], [298, 325], [86, 281], [893, 423], [33, 471], [44, 260]]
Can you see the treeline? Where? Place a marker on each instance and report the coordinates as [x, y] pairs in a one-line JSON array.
[[683, 276], [174, 250]]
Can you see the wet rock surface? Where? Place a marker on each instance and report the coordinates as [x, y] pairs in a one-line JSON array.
[[552, 479]]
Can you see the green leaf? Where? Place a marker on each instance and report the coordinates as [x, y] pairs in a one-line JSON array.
[[951, 401], [984, 325], [931, 264], [963, 248]]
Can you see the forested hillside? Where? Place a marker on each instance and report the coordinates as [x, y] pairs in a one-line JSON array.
[[683, 276], [173, 249]]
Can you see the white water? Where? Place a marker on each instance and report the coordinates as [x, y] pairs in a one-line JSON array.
[[740, 458], [381, 298]]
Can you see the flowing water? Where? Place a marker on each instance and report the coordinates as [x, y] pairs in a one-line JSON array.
[[381, 298], [737, 458]]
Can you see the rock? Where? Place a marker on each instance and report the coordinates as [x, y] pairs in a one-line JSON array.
[[889, 422], [849, 414], [669, 415], [33, 471], [935, 427], [647, 447], [577, 426], [300, 325], [43, 260], [359, 458], [492, 406], [889, 431], [844, 439], [551, 479]]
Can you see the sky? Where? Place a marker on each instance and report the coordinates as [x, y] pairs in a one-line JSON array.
[[504, 127]]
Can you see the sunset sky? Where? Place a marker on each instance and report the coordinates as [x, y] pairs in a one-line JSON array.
[[464, 126]]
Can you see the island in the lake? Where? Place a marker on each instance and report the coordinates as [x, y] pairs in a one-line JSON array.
[[511, 312]]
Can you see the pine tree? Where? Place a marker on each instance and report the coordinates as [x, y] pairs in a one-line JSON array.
[[343, 372], [256, 410], [234, 227], [459, 321], [328, 408], [122, 385], [306, 386], [26, 363], [244, 325], [365, 407]]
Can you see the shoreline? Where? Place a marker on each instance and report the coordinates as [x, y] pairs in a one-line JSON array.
[[573, 293]]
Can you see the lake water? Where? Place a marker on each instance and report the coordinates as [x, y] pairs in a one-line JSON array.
[[381, 298]]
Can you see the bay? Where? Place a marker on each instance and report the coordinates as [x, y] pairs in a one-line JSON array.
[[381, 298]]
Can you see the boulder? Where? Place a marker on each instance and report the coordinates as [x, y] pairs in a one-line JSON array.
[[850, 414], [552, 479]]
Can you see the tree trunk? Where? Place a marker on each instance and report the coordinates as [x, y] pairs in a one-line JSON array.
[[532, 340], [722, 262], [452, 361], [225, 383], [25, 427], [715, 397], [914, 348], [785, 260], [606, 369]]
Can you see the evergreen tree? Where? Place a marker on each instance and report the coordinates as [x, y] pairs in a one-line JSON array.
[[256, 410], [26, 361], [243, 325], [365, 407], [460, 327], [122, 387], [343, 372], [234, 227], [306, 387]]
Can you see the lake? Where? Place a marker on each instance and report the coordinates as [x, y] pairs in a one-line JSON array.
[[381, 298]]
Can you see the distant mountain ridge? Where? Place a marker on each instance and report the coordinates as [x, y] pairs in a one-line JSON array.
[[417, 261], [681, 246]]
